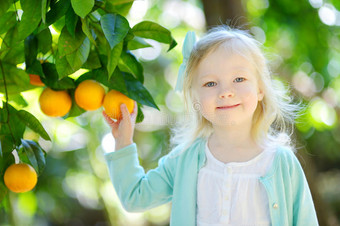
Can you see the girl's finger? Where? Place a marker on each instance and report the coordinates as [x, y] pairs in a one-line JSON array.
[[108, 119], [125, 112], [135, 112]]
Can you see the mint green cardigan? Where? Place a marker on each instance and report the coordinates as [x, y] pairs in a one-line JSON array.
[[175, 180]]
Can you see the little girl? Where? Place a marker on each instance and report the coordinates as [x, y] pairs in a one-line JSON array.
[[232, 162]]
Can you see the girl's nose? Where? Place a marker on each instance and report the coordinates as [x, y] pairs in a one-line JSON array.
[[226, 93]]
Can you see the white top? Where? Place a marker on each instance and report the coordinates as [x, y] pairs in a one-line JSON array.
[[231, 193]]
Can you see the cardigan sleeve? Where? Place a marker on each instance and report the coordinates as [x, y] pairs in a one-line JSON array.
[[303, 207], [137, 190]]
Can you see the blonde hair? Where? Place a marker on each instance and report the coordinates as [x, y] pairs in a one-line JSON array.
[[273, 120]]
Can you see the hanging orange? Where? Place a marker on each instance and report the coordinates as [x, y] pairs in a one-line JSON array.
[[112, 102], [89, 95], [55, 103], [35, 80], [20, 177]]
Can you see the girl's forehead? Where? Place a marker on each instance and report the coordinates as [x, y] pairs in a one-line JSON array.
[[225, 61]]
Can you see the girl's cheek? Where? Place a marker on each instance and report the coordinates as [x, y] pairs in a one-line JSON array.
[[247, 91]]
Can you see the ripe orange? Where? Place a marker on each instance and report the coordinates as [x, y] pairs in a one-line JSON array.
[[112, 102], [35, 80], [55, 103], [89, 95], [20, 177]]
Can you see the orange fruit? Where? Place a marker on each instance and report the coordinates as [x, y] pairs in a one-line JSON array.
[[20, 177], [35, 80], [55, 103], [89, 95], [112, 102]]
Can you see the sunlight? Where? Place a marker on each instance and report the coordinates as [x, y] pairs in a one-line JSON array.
[[316, 3], [327, 14], [108, 143]]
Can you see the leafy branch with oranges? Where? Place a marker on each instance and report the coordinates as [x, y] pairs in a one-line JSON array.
[[43, 43]]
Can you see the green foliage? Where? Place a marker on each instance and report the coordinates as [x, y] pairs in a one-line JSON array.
[[54, 39]]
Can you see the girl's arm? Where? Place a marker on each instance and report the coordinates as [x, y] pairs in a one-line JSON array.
[[303, 207], [136, 190]]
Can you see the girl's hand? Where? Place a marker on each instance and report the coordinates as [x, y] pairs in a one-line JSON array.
[[122, 130]]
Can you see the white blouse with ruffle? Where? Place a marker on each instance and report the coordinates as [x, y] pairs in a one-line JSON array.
[[231, 193]]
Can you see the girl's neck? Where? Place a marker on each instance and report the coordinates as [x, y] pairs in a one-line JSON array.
[[233, 146], [237, 136]]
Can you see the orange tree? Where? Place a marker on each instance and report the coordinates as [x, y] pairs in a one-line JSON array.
[[88, 34]]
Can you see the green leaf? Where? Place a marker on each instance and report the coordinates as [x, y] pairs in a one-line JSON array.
[[151, 30], [117, 6], [63, 67], [113, 58], [7, 21], [31, 49], [6, 141], [52, 78], [93, 61], [16, 79], [86, 30], [18, 100], [39, 155], [30, 17], [3, 191], [43, 10], [137, 91], [13, 129], [67, 44], [137, 43], [35, 69], [5, 161], [57, 11], [51, 73], [115, 28], [33, 123], [71, 20], [140, 115], [128, 63], [82, 7], [120, 2], [35, 154], [79, 57], [15, 55], [5, 4], [75, 109], [64, 83], [27, 149], [12, 50], [44, 41]]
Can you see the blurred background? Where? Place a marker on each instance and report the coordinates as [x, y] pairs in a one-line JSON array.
[[302, 43]]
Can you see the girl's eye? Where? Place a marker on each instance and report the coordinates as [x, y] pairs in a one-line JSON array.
[[210, 84], [239, 79]]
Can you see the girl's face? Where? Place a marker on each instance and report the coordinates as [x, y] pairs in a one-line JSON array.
[[225, 88]]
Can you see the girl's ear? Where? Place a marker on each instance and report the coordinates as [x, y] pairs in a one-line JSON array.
[[260, 94]]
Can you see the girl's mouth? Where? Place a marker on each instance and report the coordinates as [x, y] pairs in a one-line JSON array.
[[228, 107]]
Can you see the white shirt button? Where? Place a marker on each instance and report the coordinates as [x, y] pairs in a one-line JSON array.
[[225, 213], [275, 205]]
